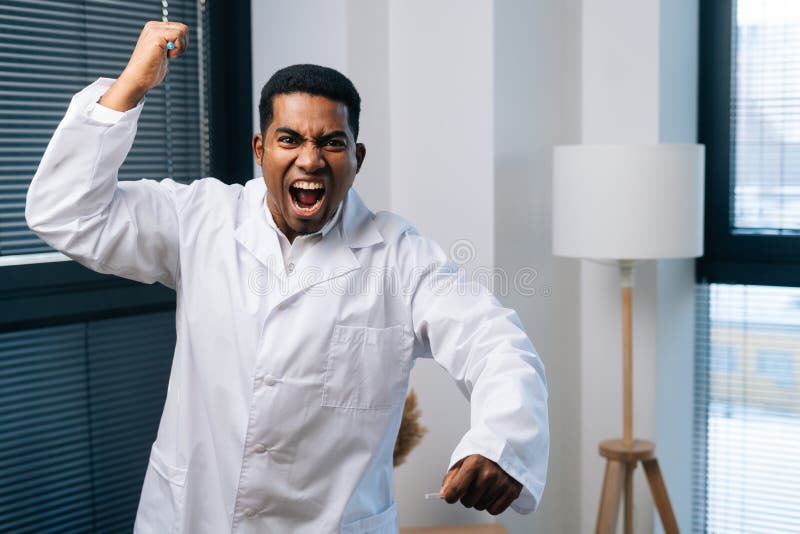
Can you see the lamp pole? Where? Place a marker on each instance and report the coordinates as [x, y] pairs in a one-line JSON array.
[[626, 272]]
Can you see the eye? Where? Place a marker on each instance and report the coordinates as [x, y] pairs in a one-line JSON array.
[[336, 143], [286, 140]]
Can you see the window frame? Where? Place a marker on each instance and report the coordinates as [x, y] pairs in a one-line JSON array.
[[730, 258], [46, 294], [759, 260], [231, 86]]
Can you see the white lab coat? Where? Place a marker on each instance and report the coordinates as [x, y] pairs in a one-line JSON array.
[[286, 389]]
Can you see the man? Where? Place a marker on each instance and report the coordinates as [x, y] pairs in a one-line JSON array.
[[291, 365]]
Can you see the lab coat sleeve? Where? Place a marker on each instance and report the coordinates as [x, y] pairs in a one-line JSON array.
[[77, 206], [484, 348]]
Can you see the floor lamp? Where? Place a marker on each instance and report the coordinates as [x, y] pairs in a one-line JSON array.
[[625, 204]]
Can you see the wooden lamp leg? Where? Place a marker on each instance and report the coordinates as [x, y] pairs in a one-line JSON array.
[[609, 500], [660, 496], [629, 467]]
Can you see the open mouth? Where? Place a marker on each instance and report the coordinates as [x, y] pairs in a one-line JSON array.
[[307, 196]]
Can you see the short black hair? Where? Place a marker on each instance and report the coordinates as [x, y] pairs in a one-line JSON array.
[[314, 80]]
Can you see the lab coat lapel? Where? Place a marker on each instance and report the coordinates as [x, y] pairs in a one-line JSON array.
[[253, 231], [358, 223]]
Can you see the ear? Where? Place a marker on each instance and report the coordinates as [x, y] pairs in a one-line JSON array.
[[361, 153], [258, 147]]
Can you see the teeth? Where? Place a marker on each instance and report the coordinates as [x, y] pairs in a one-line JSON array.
[[303, 184]]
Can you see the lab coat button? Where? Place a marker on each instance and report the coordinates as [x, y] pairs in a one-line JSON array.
[[290, 268], [269, 380], [249, 512], [260, 448]]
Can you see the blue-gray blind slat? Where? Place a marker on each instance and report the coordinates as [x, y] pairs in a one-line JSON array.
[[747, 423], [49, 50], [79, 410], [129, 364], [45, 470]]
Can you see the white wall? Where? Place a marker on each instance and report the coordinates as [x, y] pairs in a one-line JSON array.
[[676, 310], [368, 68], [537, 75], [442, 173]]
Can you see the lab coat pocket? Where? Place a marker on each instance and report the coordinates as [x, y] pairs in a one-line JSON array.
[[162, 501], [382, 523], [366, 368]]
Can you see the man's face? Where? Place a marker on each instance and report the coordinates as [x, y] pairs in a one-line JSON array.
[[309, 159]]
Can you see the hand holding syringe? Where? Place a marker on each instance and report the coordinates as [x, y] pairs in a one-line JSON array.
[[158, 43], [479, 483]]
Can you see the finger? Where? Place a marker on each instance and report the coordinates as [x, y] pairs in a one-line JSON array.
[[500, 505], [174, 49], [451, 492], [460, 483], [183, 30], [474, 494], [178, 36], [174, 52], [494, 491], [484, 486]]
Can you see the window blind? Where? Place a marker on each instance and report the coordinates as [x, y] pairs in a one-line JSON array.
[[747, 433], [51, 49], [79, 409], [765, 114]]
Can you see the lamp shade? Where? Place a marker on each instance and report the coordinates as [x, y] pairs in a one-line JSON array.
[[628, 202]]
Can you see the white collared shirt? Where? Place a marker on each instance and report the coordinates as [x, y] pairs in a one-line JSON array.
[[294, 251]]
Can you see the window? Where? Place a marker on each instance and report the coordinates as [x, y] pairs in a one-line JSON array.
[[192, 125], [766, 85], [84, 357], [81, 408], [748, 422], [747, 401], [45, 58]]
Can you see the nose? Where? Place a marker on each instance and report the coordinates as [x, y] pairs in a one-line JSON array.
[[310, 158]]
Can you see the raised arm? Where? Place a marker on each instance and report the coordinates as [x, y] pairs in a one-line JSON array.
[[75, 203]]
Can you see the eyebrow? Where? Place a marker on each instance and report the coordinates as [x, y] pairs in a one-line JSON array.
[[288, 131], [335, 133], [330, 135]]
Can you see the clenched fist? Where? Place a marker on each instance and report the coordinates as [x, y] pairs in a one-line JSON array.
[[480, 483], [148, 64]]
